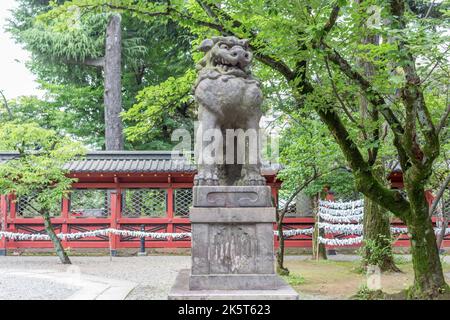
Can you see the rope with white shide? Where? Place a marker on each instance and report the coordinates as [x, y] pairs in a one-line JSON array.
[[338, 217]]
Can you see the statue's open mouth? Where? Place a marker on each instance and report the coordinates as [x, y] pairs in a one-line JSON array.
[[228, 67]]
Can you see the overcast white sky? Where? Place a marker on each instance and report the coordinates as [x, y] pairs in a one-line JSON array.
[[15, 78]]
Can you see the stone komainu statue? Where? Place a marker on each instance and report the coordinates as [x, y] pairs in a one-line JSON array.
[[229, 98]]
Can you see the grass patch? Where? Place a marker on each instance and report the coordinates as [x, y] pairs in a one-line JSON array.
[[294, 279], [364, 293], [400, 260], [342, 280]]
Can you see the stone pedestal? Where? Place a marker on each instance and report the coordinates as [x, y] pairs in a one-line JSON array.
[[232, 247]]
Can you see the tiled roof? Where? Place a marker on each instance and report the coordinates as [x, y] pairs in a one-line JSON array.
[[123, 161], [130, 162]]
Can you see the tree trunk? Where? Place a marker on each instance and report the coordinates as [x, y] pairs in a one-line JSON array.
[[444, 225], [281, 269], [429, 279], [377, 248], [56, 241], [377, 231], [428, 276], [113, 85]]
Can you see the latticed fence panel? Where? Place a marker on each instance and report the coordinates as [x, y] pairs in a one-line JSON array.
[[144, 202], [29, 207], [183, 201], [291, 209], [349, 197], [90, 202]]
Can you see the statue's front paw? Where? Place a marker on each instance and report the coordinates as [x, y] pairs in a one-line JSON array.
[[206, 180], [212, 179], [198, 180], [255, 180]]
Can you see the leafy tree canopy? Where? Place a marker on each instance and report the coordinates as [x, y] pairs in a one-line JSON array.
[[63, 50], [38, 169]]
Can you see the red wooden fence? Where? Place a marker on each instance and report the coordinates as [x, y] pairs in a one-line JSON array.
[[66, 222]]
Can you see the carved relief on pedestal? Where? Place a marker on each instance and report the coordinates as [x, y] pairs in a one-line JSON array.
[[233, 249]]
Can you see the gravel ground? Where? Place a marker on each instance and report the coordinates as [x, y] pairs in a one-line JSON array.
[[19, 288], [154, 274]]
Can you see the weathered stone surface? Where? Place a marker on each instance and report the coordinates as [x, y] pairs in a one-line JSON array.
[[234, 282], [229, 98], [232, 224], [232, 241], [232, 215], [232, 196], [181, 291]]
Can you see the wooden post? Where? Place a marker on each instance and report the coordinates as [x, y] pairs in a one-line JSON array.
[[115, 215], [113, 85], [12, 211], [275, 195], [3, 224], [65, 217], [170, 213]]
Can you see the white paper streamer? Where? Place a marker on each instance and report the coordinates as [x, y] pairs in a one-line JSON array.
[[341, 219], [130, 233], [438, 230], [341, 205], [341, 212], [295, 232], [347, 229], [399, 230], [340, 242], [94, 233]]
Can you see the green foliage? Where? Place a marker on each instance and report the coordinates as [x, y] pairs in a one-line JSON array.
[[276, 29], [38, 169], [398, 259], [63, 109], [161, 106], [376, 250], [294, 279], [364, 293], [307, 149], [60, 44]]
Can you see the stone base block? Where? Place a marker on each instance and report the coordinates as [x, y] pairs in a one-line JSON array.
[[234, 281], [232, 196], [2, 252], [180, 291], [232, 241]]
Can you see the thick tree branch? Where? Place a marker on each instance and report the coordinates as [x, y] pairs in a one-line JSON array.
[[315, 176], [331, 20], [213, 11], [365, 181], [341, 102], [99, 62], [443, 120], [373, 96], [439, 195], [5, 103], [412, 96], [272, 62]]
